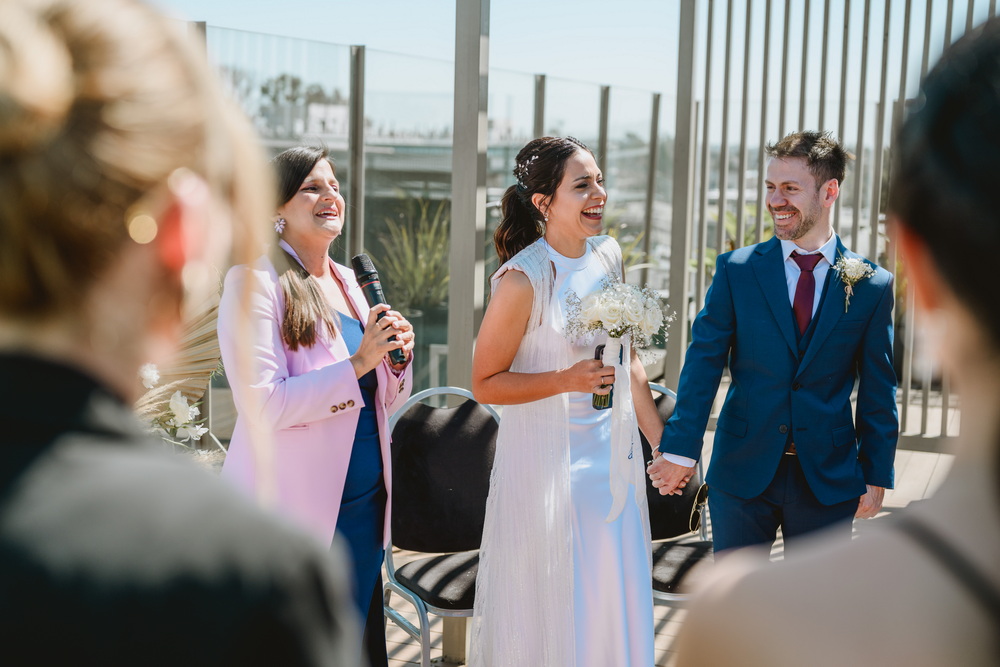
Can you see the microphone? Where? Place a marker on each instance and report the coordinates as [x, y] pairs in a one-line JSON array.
[[367, 277]]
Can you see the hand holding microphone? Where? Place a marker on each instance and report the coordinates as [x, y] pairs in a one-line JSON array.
[[368, 280]]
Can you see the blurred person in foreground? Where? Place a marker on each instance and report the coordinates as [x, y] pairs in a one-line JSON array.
[[124, 177], [926, 589], [321, 377]]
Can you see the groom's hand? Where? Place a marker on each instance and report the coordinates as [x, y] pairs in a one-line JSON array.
[[669, 478], [870, 504]]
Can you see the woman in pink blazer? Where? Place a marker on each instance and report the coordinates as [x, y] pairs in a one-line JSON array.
[[319, 382]]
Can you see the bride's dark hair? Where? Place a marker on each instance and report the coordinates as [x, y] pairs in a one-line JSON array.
[[539, 169]]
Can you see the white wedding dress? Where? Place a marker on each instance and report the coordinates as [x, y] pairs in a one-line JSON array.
[[558, 583]]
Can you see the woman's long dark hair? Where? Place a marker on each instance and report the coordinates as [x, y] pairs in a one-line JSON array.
[[539, 169], [305, 305]]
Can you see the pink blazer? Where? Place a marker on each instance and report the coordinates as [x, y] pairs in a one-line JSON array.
[[309, 399]]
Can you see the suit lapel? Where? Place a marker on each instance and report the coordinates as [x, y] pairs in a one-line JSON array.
[[770, 273], [830, 309]]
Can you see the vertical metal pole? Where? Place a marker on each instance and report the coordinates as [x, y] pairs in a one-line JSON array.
[[654, 141], [879, 138], [763, 123], [804, 65], [947, 23], [859, 148], [928, 15], [706, 157], [741, 179], [968, 27], [680, 232], [843, 98], [356, 154], [822, 74], [602, 127], [539, 125], [468, 180], [720, 225], [782, 128], [699, 278]]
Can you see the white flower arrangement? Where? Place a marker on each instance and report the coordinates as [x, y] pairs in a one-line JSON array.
[[619, 309], [178, 423], [852, 270]]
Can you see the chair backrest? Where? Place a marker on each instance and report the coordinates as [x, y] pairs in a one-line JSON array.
[[441, 464], [669, 516]]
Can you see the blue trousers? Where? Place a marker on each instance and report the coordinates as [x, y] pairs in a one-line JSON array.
[[787, 502]]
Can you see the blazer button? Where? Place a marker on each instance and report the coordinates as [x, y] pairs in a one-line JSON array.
[[796, 386], [350, 403], [333, 408], [782, 429], [343, 406]]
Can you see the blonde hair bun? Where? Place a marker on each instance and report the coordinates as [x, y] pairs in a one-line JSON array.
[[36, 79]]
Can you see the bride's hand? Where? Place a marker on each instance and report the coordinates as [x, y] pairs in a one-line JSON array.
[[589, 376]]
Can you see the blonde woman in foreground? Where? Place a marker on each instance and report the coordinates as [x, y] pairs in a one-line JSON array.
[[124, 177]]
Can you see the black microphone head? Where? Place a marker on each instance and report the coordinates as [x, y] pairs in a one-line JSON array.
[[362, 265]]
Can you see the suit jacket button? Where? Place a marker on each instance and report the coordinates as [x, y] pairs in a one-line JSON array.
[[350, 403], [333, 408], [782, 429], [796, 386], [343, 406]]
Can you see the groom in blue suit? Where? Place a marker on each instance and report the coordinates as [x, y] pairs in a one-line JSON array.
[[799, 331]]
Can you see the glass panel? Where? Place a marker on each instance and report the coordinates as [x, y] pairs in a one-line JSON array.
[[572, 108], [511, 117], [409, 117], [626, 169]]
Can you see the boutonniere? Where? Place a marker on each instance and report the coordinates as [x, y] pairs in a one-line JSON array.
[[852, 270]]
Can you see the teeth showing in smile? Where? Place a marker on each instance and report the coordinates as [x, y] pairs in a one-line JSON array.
[[595, 210], [327, 214], [783, 216]]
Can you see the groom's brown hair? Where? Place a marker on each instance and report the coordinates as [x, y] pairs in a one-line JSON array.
[[823, 154]]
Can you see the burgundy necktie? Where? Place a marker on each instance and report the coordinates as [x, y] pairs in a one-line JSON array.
[[805, 289]]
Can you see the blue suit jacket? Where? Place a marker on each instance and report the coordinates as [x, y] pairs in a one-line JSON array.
[[778, 389]]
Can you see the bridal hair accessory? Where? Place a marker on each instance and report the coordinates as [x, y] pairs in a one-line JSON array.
[[851, 271], [521, 172], [279, 225]]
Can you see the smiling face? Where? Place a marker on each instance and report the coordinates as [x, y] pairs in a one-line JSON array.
[[576, 209], [800, 209], [315, 213]]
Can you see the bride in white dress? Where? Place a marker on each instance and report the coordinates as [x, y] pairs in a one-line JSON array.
[[564, 576]]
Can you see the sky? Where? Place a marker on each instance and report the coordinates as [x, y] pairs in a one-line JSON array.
[[622, 43], [630, 43]]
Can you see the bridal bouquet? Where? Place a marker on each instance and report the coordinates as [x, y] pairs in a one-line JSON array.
[[618, 308]]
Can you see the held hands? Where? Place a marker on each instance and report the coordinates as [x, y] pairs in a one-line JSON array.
[[870, 504], [668, 478], [375, 343], [589, 376]]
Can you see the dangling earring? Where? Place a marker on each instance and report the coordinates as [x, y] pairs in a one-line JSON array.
[[545, 217], [279, 225]]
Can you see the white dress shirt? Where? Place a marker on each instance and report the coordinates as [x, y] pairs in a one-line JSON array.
[[792, 271]]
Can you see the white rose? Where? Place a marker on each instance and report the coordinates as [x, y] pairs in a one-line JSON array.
[[652, 318], [590, 309], [633, 308], [611, 314]]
